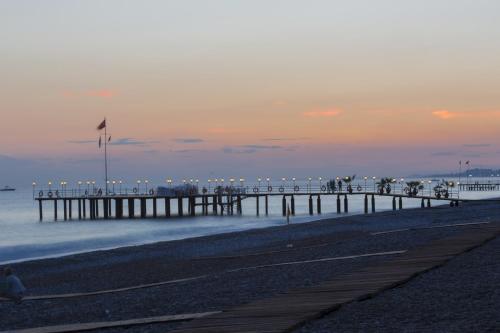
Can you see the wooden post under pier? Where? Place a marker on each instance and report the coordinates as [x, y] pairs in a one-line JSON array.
[[338, 204], [40, 210], [346, 204], [311, 208], [179, 206], [167, 207], [143, 207], [70, 209], [318, 203], [154, 207], [292, 203], [366, 204], [131, 208], [257, 201], [105, 208], [373, 203]]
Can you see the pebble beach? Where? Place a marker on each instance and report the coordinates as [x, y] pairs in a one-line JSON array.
[[217, 272]]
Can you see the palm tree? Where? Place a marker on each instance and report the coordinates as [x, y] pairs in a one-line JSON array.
[[385, 183], [413, 187]]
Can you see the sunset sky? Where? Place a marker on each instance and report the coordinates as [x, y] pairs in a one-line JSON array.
[[247, 88]]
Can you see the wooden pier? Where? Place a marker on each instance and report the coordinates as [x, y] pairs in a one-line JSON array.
[[142, 206]]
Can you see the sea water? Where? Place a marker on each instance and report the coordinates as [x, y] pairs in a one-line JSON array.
[[23, 237]]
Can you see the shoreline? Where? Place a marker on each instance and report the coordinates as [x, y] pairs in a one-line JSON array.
[[305, 219]]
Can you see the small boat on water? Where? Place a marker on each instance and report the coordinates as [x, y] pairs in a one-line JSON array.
[[7, 189]]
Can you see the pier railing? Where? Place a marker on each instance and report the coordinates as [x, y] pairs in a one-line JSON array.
[[245, 190]]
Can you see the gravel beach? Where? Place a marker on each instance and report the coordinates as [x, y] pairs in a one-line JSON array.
[[430, 302]]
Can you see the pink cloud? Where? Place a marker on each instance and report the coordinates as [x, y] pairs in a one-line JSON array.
[[102, 93], [444, 114], [322, 113]]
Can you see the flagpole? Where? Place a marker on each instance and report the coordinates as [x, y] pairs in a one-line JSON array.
[[106, 155], [459, 178]]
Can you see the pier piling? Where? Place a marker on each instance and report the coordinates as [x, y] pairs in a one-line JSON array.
[[283, 205], [373, 203], [292, 204], [346, 204], [131, 208], [318, 203], [366, 204], [257, 201], [311, 205], [338, 204], [400, 203]]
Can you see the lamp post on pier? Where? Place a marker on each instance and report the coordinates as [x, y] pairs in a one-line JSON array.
[[365, 178], [320, 179], [138, 186], [309, 179], [374, 183], [34, 185]]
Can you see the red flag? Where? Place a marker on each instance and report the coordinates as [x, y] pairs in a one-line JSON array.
[[101, 125], [99, 142], [109, 139]]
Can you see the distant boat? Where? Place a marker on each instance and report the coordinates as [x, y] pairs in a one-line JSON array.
[[7, 188]]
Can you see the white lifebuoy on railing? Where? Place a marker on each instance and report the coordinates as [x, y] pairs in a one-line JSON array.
[[40, 194], [296, 188], [323, 188], [255, 189], [269, 188], [282, 189], [49, 194]]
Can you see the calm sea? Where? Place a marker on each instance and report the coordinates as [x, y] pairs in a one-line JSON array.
[[23, 237]]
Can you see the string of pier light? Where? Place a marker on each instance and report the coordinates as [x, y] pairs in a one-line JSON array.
[[337, 184]]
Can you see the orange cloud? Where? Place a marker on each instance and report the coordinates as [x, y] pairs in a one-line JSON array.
[[105, 93], [444, 114], [322, 113]]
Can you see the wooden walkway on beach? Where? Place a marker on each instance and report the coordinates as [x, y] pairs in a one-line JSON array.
[[290, 310]]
